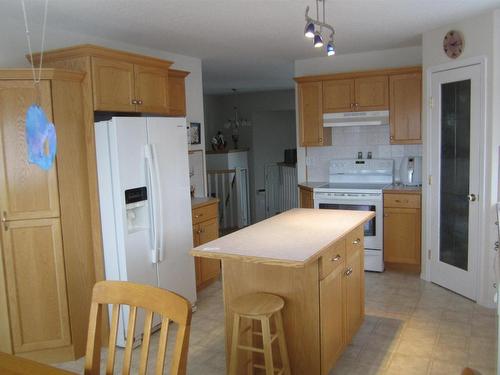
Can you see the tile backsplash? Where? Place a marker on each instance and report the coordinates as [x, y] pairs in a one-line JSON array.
[[348, 141]]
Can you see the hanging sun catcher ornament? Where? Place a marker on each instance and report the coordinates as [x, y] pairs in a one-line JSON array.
[[41, 137]]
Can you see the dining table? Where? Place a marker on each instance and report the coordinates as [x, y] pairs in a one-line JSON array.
[[15, 365]]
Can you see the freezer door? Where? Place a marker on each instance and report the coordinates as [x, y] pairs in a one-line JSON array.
[[168, 137]]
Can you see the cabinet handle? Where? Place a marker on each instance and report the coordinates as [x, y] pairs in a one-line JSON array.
[[348, 272], [357, 241], [336, 258], [321, 139], [4, 221]]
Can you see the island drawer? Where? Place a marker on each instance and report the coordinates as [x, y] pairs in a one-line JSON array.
[[204, 213], [402, 200], [333, 258], [354, 241]]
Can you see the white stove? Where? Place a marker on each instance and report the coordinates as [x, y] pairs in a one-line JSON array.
[[357, 184]]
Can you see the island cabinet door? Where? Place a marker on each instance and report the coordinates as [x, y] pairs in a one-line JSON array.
[[332, 318], [353, 278]]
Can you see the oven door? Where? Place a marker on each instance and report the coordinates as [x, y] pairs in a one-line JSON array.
[[364, 202]]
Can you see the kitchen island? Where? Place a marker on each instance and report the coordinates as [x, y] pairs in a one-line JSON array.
[[314, 260]]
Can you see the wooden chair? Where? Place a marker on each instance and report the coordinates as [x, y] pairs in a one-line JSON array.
[[261, 307], [153, 300]]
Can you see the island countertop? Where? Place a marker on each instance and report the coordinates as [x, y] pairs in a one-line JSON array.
[[294, 238]]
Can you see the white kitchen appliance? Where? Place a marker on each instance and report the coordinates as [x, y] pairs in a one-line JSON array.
[[356, 184], [365, 118], [410, 171], [143, 173]]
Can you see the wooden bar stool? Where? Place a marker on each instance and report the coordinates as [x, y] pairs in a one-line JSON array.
[[260, 307]]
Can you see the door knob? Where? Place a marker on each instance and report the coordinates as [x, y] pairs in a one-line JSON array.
[[472, 197]]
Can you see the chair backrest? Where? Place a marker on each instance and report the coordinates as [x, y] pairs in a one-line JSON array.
[[153, 300]]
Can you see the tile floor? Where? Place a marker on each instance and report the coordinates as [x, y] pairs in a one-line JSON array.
[[411, 327]]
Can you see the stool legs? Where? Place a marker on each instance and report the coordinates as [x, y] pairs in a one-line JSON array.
[[268, 350], [233, 360], [282, 343]]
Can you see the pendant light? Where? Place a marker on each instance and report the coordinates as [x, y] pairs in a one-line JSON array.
[[311, 32]]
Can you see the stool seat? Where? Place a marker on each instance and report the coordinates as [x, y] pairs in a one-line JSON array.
[[257, 304]]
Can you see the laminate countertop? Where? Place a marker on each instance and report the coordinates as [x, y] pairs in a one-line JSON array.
[[402, 189], [200, 202], [294, 238]]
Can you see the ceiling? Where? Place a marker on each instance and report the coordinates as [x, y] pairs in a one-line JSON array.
[[250, 45]]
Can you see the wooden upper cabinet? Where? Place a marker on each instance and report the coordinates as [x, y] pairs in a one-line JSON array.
[[113, 83], [371, 93], [36, 285], [406, 106], [338, 95], [151, 89], [26, 191], [177, 92], [311, 129]]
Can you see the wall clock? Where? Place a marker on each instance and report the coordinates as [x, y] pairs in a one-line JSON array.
[[453, 44]]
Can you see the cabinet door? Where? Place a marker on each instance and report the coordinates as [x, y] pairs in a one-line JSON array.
[[338, 95], [113, 85], [402, 235], [372, 93], [306, 198], [406, 108], [354, 291], [36, 284], [151, 89], [176, 96], [210, 268], [332, 318], [26, 191], [311, 130]]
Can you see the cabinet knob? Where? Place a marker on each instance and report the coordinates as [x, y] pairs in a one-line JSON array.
[[134, 101], [386, 215], [139, 102], [391, 137], [348, 272], [357, 241], [198, 216], [336, 258]]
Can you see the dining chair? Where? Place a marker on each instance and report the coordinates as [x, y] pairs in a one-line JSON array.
[[170, 306]]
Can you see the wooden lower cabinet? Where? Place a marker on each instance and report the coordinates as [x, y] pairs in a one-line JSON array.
[[332, 318], [402, 230], [324, 302], [206, 229], [306, 198], [36, 285]]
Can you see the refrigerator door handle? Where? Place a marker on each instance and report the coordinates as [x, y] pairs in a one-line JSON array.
[[159, 206], [150, 168]]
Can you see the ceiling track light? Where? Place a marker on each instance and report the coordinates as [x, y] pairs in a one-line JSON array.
[[316, 35]]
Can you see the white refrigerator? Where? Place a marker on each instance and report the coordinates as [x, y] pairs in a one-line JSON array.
[[145, 205]]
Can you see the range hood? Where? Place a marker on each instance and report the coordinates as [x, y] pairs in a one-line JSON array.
[[331, 120]]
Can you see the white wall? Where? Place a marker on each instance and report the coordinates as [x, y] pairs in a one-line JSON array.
[[391, 58], [13, 48], [479, 42]]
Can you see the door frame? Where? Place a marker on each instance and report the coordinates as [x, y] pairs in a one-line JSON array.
[[428, 172]]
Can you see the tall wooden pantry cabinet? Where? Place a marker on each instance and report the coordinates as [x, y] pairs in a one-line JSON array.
[[46, 255]]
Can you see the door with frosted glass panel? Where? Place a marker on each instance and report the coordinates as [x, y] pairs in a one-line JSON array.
[[455, 166]]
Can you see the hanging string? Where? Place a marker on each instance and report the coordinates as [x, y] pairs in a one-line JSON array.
[[36, 80]]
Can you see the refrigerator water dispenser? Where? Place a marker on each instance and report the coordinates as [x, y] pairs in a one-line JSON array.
[[136, 206]]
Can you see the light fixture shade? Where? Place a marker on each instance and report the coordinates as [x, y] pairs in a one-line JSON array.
[[309, 30], [318, 40], [330, 48]]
